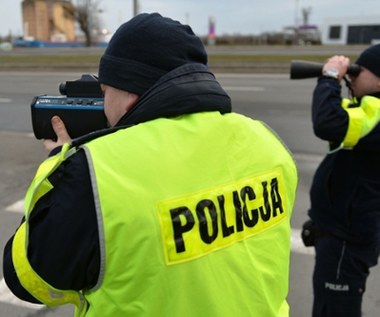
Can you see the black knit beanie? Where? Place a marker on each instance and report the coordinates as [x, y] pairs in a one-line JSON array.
[[370, 59], [144, 49]]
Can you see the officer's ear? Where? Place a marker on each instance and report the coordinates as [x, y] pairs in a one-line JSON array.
[[133, 99]]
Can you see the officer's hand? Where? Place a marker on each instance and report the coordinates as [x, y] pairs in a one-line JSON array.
[[338, 62], [61, 132]]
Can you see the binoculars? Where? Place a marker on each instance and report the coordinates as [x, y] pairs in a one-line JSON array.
[[300, 69]]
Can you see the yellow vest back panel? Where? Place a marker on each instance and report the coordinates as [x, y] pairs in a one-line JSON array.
[[194, 218]]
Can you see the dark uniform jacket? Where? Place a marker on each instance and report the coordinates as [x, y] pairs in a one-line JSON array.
[[345, 193], [64, 243]]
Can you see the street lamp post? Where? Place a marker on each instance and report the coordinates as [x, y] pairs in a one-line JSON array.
[[135, 7]]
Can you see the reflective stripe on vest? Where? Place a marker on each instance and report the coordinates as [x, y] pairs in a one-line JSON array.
[[362, 119], [28, 278]]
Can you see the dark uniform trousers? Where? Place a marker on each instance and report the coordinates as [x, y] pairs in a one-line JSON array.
[[341, 271]]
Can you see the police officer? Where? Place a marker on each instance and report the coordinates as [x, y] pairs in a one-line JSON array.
[[345, 193], [182, 208]]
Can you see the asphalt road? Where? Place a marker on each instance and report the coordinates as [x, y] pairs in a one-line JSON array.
[[273, 98]]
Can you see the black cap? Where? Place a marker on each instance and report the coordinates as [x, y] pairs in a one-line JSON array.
[[144, 49], [370, 59]]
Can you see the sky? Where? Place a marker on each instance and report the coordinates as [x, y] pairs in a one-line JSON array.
[[230, 16]]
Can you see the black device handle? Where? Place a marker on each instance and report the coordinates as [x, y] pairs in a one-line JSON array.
[[300, 69]]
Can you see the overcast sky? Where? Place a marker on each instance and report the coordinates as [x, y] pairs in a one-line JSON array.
[[231, 16]]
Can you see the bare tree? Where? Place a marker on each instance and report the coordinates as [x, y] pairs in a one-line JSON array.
[[86, 13]]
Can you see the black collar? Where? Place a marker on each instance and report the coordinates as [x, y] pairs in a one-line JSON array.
[[187, 89]]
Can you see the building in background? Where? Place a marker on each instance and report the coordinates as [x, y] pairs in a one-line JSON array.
[[48, 20], [351, 30], [302, 33]]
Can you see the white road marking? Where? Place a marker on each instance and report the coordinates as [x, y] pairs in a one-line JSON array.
[[5, 100], [18, 206], [7, 297], [235, 75], [297, 244], [241, 88]]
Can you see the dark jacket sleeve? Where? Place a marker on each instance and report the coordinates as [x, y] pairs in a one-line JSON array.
[[330, 120], [63, 237]]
